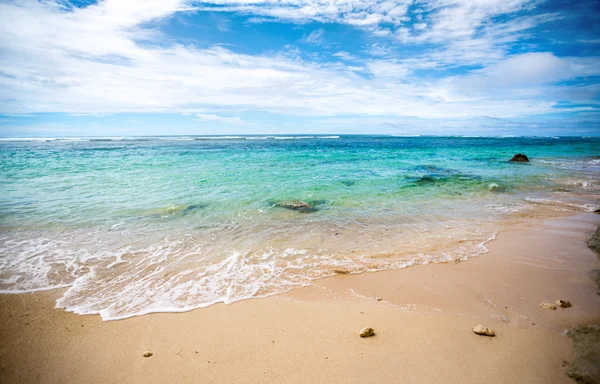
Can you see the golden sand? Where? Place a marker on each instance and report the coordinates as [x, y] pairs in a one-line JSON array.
[[423, 319]]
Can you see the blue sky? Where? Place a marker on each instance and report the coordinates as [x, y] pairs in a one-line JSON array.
[[161, 67]]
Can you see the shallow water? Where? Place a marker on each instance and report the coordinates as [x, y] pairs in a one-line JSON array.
[[138, 225]]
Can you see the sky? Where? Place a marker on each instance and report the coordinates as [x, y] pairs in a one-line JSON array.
[[403, 67]]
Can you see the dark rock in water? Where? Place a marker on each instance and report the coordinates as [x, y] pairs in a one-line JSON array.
[[437, 175], [191, 208], [175, 210], [347, 183], [297, 205], [594, 241], [586, 366], [300, 206], [521, 158], [597, 211], [426, 180]]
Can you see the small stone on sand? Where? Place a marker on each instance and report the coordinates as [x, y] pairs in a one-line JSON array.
[[378, 298], [484, 331], [147, 354], [367, 332], [563, 303], [548, 306]]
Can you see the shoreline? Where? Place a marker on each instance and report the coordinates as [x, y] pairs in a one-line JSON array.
[[511, 221], [310, 334]]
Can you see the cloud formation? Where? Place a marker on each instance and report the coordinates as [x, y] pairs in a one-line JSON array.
[[108, 58]]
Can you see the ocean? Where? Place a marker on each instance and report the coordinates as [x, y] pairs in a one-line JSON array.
[[129, 226]]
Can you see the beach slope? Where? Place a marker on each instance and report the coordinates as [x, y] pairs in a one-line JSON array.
[[422, 316]]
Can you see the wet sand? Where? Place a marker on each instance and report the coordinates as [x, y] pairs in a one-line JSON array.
[[422, 322]]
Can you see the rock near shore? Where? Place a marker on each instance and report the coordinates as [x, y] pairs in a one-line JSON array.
[[586, 366], [300, 205], [594, 241], [520, 158]]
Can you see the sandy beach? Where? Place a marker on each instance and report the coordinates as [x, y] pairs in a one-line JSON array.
[[423, 318], [299, 192]]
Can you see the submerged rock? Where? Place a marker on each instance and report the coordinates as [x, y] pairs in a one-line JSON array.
[[548, 306], [299, 205], [586, 342], [594, 241], [436, 175], [367, 332], [426, 180], [348, 183], [147, 354], [563, 303], [484, 331], [175, 210], [521, 158]]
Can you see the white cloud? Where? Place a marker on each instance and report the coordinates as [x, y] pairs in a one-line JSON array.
[[345, 56], [218, 119], [90, 114], [387, 69], [353, 12], [98, 60], [527, 72], [378, 50], [315, 37], [470, 32]]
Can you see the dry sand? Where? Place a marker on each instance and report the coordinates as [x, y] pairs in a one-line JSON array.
[[423, 325]]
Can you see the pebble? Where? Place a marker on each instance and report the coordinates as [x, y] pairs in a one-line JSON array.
[[147, 354], [367, 332], [484, 331], [548, 306], [563, 303]]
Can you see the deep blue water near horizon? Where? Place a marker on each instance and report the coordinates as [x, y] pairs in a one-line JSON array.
[[134, 225]]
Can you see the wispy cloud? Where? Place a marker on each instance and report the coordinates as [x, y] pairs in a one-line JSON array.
[[345, 56], [219, 119], [109, 58], [359, 13], [315, 37]]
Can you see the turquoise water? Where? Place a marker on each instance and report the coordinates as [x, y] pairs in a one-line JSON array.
[[138, 225]]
